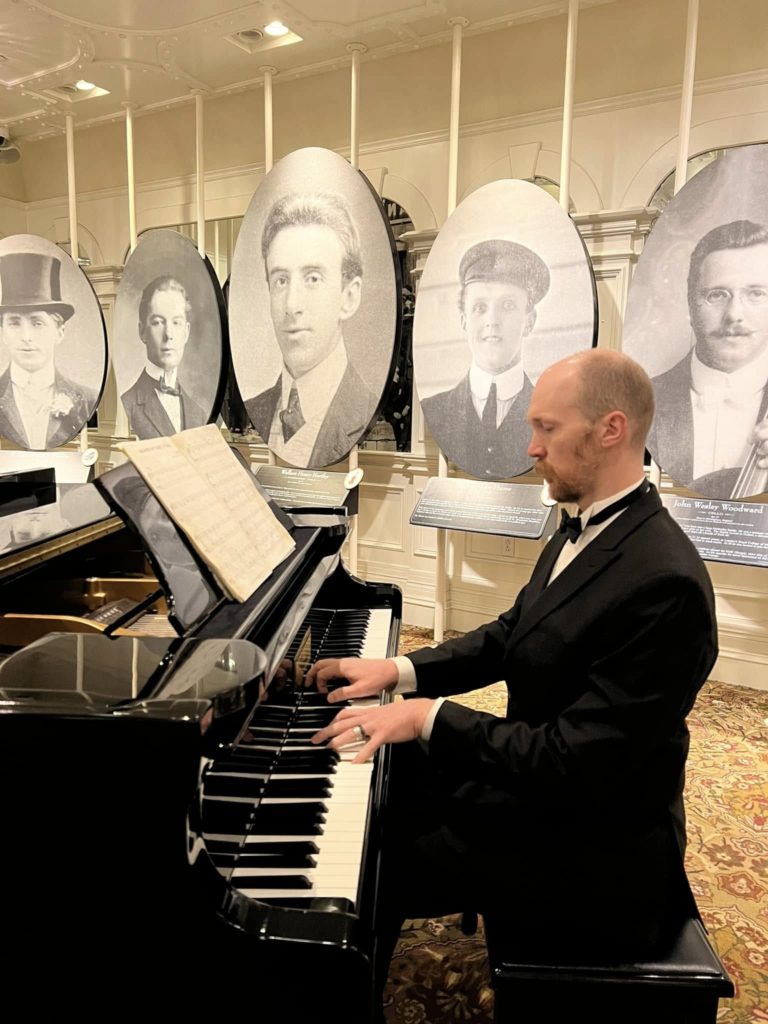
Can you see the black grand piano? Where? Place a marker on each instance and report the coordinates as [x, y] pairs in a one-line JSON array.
[[166, 826]]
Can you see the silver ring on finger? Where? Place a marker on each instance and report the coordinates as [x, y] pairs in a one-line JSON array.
[[360, 734]]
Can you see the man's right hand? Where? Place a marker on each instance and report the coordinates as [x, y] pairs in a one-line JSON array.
[[366, 677]]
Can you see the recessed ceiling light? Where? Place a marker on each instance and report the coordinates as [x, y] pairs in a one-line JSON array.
[[84, 86], [251, 35], [276, 28]]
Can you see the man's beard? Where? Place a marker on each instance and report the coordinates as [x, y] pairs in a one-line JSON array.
[[572, 488]]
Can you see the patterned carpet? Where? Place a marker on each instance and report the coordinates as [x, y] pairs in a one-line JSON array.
[[440, 975]]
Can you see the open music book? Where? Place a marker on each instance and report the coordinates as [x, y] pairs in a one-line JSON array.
[[208, 493]]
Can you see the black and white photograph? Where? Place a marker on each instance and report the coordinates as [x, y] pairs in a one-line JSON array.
[[169, 337], [53, 345], [507, 290], [314, 308], [697, 321]]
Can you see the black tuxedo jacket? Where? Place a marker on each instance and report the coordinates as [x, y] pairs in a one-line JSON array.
[[584, 777], [350, 412], [147, 416], [454, 424]]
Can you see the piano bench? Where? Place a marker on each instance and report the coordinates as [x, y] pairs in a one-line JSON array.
[[681, 985]]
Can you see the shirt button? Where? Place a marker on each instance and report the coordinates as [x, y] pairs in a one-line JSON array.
[[487, 472], [489, 450]]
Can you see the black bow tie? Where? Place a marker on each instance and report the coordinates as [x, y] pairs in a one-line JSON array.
[[571, 525], [166, 389]]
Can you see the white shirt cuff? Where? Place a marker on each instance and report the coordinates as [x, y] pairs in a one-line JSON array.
[[406, 682]]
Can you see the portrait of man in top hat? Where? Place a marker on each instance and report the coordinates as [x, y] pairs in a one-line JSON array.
[[40, 407], [157, 404], [320, 404], [480, 424]]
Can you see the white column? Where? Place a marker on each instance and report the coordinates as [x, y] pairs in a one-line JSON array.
[[570, 77], [354, 158], [684, 129], [74, 246], [268, 75], [442, 538], [200, 173], [131, 174]]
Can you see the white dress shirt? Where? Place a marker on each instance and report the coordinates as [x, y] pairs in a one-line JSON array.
[[509, 384], [171, 403], [316, 390], [571, 550], [725, 409], [33, 394]]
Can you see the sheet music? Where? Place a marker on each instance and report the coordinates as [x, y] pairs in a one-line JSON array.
[[206, 491]]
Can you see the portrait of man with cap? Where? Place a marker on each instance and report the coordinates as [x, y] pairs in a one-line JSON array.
[[480, 424], [40, 408]]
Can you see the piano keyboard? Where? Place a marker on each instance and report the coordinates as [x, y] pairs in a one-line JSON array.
[[301, 809]]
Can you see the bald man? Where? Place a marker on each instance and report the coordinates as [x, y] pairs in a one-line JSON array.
[[566, 815]]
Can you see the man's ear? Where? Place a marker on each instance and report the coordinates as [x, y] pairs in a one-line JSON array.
[[530, 322], [350, 298], [613, 428]]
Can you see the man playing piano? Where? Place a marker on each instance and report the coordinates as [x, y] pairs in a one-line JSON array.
[[566, 815]]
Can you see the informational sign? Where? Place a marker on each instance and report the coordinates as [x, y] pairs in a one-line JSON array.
[[477, 506], [723, 531], [308, 488]]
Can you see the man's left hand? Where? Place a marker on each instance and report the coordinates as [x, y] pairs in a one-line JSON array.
[[398, 722]]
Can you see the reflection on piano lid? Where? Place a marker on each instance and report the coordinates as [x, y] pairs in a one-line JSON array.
[[26, 489], [142, 677]]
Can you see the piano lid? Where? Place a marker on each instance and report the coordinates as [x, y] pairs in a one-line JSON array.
[[90, 674]]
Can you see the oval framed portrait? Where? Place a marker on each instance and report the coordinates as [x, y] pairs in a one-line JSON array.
[[53, 344], [697, 321], [314, 308], [169, 344], [507, 290]]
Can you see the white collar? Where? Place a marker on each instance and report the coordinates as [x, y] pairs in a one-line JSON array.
[[747, 380], [158, 373], [509, 384], [598, 506], [42, 378], [317, 386]]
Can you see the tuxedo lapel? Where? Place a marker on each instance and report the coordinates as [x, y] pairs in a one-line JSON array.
[[584, 569]]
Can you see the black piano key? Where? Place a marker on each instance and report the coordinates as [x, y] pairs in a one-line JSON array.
[[271, 858], [231, 785], [222, 817], [272, 882], [298, 787], [285, 828]]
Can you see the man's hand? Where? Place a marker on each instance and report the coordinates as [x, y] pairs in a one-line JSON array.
[[398, 722], [366, 676], [760, 437]]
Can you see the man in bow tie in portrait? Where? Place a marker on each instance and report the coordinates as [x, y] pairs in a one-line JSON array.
[[480, 424], [320, 404], [40, 408], [157, 404], [565, 815], [711, 407]]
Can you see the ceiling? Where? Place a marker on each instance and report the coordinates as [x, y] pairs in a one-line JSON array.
[[152, 54]]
